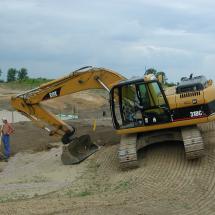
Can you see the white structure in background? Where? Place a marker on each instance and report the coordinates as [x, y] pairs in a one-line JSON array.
[[12, 116], [67, 117]]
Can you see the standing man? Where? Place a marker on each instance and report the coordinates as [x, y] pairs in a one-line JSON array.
[[6, 131]]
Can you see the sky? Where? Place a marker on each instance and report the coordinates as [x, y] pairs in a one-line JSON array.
[[54, 37]]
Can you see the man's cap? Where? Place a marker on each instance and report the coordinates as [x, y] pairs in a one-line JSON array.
[[4, 118]]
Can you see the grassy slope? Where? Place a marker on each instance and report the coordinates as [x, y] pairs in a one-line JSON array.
[[25, 84]]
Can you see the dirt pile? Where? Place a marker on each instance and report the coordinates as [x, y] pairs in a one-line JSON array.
[[28, 137], [27, 175], [81, 101], [5, 96]]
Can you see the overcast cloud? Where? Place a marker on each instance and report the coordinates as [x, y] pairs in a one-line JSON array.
[[52, 37]]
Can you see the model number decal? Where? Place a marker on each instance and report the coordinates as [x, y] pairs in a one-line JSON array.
[[196, 113], [53, 94]]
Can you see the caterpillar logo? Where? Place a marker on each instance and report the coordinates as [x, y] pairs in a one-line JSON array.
[[52, 94]]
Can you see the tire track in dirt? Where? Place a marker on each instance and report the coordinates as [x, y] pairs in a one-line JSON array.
[[188, 186]]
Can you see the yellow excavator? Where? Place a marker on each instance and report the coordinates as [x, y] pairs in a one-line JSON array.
[[141, 112]]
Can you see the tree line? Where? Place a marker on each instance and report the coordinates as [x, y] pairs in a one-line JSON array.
[[160, 75], [14, 74]]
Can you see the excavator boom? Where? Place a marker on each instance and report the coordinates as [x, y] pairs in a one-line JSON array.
[[29, 104]]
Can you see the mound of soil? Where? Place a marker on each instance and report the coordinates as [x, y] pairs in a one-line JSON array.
[[28, 137]]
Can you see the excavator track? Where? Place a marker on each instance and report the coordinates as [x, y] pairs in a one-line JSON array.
[[128, 151], [130, 144], [193, 142]]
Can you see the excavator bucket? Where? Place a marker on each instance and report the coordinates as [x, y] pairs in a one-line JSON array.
[[79, 149]]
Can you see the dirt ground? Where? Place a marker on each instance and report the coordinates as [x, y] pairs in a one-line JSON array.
[[28, 137], [34, 181]]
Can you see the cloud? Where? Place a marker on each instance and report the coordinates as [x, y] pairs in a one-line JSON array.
[[51, 37]]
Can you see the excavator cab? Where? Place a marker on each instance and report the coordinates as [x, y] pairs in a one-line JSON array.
[[139, 103]]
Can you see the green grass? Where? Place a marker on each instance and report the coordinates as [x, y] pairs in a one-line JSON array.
[[25, 84], [34, 179], [84, 193], [12, 197], [123, 185]]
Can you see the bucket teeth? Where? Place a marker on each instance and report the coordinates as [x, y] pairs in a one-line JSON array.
[[78, 150]]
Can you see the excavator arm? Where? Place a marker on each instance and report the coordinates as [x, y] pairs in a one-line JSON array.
[[29, 103]]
